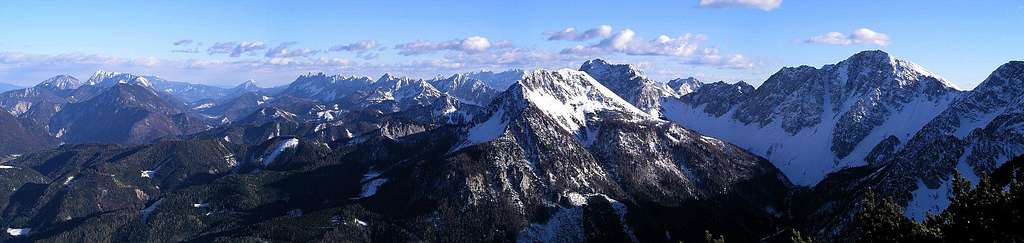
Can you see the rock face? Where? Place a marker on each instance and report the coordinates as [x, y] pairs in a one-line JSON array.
[[629, 83], [813, 121], [719, 97]]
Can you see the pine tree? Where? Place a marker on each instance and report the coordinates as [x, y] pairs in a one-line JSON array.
[[883, 221], [709, 238], [796, 237]]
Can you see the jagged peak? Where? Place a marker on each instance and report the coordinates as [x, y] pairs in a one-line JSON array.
[[742, 83], [311, 75], [687, 79], [873, 55], [389, 77], [107, 79], [1010, 74], [904, 71], [602, 67], [248, 84]]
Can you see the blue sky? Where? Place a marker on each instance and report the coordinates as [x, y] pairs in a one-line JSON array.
[[273, 41]]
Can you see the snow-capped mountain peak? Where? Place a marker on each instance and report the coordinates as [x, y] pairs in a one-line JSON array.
[[602, 68], [468, 90], [684, 86], [848, 108], [61, 82], [247, 85], [568, 96], [629, 83], [109, 79]]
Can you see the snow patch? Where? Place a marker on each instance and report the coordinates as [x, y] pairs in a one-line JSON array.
[[148, 173], [486, 131], [203, 106], [928, 201], [371, 182], [295, 213], [68, 180], [149, 210], [969, 123], [281, 146], [18, 232], [565, 225]]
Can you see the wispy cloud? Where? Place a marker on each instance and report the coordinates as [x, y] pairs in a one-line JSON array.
[[862, 36], [183, 42], [283, 51], [235, 49], [185, 46], [472, 44], [187, 50], [764, 5], [365, 49], [571, 34], [363, 45]]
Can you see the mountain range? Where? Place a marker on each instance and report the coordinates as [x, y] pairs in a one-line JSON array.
[[599, 154]]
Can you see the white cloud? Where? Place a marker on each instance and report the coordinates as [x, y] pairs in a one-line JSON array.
[[860, 36], [571, 34], [626, 42], [687, 47], [235, 49], [472, 44], [283, 51], [711, 56], [475, 43], [764, 5]]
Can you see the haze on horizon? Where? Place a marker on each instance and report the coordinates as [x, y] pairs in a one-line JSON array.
[[222, 43]]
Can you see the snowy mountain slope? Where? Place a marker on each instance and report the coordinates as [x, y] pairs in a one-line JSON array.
[[565, 133], [629, 83], [654, 159], [846, 109], [976, 134]]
